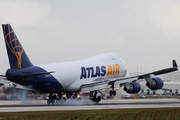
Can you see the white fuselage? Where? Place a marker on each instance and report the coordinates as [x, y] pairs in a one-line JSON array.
[[71, 75]]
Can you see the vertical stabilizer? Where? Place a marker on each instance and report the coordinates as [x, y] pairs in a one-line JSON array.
[[175, 64], [16, 53]]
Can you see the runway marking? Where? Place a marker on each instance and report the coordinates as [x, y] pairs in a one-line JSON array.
[[104, 104]]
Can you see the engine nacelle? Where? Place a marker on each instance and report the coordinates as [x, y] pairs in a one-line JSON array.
[[132, 88], [155, 84]]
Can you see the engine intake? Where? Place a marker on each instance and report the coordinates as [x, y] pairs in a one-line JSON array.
[[133, 88], [155, 84]]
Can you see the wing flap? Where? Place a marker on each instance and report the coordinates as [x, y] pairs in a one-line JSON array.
[[125, 80], [93, 86]]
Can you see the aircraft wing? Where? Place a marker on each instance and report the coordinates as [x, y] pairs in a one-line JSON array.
[[101, 83], [105, 83], [96, 84], [142, 76], [2, 82]]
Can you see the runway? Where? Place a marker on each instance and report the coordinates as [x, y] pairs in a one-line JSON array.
[[40, 105]]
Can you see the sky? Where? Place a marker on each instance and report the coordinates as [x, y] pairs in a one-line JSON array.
[[145, 34]]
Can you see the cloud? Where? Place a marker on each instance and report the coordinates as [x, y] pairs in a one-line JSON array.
[[143, 33], [165, 15], [22, 12]]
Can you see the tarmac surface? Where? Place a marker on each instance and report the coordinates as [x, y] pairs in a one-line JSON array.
[[41, 105]]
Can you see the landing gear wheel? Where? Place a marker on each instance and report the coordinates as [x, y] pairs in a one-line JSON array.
[[95, 96], [96, 100], [110, 93], [114, 93], [99, 98]]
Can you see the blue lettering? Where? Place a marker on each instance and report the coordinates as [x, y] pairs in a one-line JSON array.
[[103, 70], [97, 71], [93, 75], [83, 73], [89, 70]]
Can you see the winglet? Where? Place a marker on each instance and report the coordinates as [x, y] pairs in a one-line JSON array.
[[175, 64]]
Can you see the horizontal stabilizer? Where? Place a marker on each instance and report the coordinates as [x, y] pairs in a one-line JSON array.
[[32, 75]]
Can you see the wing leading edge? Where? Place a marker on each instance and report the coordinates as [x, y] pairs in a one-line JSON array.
[[104, 83]]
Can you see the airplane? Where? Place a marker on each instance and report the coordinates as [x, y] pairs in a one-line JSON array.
[[71, 78]]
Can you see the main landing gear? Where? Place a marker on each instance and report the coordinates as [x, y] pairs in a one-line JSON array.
[[112, 92], [95, 96], [53, 98]]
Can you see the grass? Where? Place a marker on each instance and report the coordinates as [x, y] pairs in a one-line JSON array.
[[110, 114]]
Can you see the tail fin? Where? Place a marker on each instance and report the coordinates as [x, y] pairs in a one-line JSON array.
[[16, 53], [175, 64]]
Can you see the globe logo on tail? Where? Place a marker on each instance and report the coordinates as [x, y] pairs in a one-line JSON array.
[[13, 44]]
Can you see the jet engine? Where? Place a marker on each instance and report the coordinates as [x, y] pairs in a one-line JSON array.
[[132, 88], [155, 84]]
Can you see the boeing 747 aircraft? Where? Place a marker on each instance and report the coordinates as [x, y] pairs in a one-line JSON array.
[[90, 75]]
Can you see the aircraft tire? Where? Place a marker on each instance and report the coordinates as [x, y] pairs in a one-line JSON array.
[[95, 100], [114, 93], [110, 93], [98, 98]]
